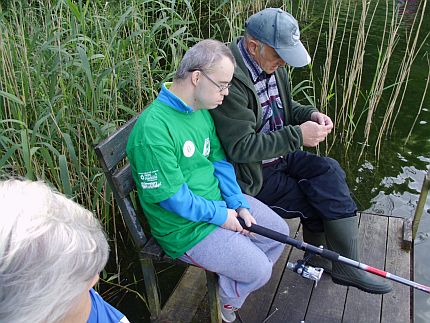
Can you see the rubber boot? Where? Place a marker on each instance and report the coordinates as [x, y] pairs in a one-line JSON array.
[[317, 239], [342, 237]]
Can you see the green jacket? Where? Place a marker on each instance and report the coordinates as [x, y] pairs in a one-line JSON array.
[[239, 117]]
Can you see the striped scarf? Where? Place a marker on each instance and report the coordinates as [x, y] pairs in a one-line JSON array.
[[267, 91]]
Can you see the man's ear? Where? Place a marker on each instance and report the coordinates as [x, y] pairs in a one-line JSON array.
[[252, 47], [94, 281], [195, 75]]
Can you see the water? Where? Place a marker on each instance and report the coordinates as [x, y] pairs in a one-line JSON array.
[[391, 184]]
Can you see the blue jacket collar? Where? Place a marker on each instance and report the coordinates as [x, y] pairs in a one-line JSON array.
[[172, 100]]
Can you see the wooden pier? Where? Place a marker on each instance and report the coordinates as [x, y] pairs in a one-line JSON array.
[[290, 298]]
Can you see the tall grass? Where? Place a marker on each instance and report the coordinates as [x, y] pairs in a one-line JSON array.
[[71, 73]]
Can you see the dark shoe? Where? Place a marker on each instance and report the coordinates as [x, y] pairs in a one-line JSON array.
[[342, 237], [317, 239]]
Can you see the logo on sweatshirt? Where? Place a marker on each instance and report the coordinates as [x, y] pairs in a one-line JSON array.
[[207, 147], [188, 148], [149, 180]]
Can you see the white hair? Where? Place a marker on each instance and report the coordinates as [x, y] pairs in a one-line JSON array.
[[247, 38], [50, 250]]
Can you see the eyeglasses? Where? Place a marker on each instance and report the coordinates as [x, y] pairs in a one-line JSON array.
[[219, 86]]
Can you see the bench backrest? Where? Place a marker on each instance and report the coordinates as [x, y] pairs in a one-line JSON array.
[[112, 156]]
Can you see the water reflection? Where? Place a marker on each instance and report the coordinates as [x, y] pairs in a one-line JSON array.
[[398, 195]]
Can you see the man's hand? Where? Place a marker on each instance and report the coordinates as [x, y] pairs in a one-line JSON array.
[[315, 131], [248, 218], [231, 223], [322, 120]]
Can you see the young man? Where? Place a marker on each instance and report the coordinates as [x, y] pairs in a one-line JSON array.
[[189, 191], [263, 130], [51, 253]]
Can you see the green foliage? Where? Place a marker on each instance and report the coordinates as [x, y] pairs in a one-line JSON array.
[[71, 72]]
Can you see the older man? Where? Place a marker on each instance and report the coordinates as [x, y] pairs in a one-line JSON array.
[[263, 130], [189, 191]]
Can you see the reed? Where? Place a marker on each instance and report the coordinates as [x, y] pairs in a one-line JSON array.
[[399, 91], [343, 46]]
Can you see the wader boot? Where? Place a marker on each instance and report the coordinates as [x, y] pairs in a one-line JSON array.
[[317, 239], [342, 237]]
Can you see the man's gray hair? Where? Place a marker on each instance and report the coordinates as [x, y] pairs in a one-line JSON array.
[[51, 248], [203, 56], [247, 38]]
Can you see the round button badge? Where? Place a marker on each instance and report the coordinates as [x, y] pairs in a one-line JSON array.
[[188, 148]]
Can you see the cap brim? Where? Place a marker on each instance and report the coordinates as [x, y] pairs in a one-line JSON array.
[[296, 56]]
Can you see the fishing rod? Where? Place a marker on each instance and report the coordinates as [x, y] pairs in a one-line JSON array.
[[315, 273]]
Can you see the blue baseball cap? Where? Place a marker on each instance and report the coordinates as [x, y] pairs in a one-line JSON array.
[[280, 30]]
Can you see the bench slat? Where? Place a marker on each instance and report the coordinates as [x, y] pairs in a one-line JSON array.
[[131, 220], [123, 181], [112, 150]]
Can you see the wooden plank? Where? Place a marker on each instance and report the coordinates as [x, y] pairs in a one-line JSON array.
[[292, 297], [123, 181], [257, 305], [130, 218], [213, 296], [112, 150], [407, 242], [151, 287], [396, 306], [361, 306], [327, 302], [182, 304], [296, 300]]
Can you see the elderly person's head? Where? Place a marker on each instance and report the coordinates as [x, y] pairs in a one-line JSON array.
[[272, 37], [206, 70], [51, 252]]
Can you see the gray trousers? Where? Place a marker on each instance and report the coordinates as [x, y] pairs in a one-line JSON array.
[[242, 263]]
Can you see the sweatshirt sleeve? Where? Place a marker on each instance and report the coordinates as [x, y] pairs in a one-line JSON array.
[[229, 187], [195, 208]]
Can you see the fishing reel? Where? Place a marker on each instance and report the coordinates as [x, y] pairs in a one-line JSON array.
[[306, 271]]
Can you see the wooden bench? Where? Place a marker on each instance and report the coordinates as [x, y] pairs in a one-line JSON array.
[[183, 302]]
